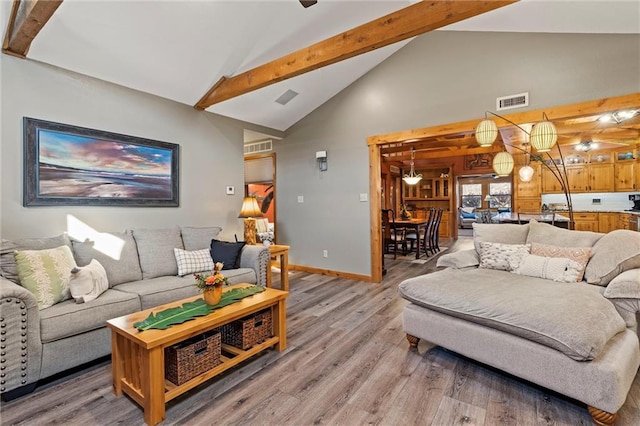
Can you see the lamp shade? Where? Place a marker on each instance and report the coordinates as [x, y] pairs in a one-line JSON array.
[[526, 173], [503, 163], [543, 136], [486, 133], [250, 208]]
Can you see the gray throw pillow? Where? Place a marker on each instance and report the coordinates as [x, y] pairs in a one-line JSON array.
[[155, 250], [548, 234], [119, 256], [7, 249], [616, 252], [199, 238], [499, 233]]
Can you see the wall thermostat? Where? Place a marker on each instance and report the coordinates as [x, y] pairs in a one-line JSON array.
[[231, 190]]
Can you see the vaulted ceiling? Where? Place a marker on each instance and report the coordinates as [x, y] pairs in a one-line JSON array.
[[180, 49]]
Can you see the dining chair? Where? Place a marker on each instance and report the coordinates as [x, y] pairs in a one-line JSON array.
[[392, 235], [414, 238], [433, 232]]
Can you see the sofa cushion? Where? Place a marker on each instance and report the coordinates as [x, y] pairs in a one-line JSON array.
[[559, 269], [616, 252], [155, 250], [578, 254], [116, 252], [499, 233], [190, 262], [8, 247], [69, 318], [545, 233], [501, 256], [625, 285], [573, 318], [46, 273], [88, 282], [198, 238], [226, 252]]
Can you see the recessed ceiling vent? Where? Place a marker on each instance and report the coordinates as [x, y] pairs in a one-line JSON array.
[[286, 97], [257, 147], [512, 101]]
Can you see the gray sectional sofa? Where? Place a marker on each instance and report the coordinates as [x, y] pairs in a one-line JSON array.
[[564, 324], [142, 272]]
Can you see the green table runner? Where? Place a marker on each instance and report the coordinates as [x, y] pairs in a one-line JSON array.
[[198, 308]]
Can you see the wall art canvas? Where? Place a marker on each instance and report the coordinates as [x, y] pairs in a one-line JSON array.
[[70, 165]]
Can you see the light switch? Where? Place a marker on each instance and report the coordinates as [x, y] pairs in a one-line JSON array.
[[300, 199], [230, 190], [364, 197]]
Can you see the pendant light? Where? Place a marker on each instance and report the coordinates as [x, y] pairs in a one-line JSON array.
[[526, 173], [412, 178], [543, 136], [486, 133], [503, 163]]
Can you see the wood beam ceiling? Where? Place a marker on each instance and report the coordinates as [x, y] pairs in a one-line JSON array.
[[25, 22], [392, 28]]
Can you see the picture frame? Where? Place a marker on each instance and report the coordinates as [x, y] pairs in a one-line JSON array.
[[67, 165]]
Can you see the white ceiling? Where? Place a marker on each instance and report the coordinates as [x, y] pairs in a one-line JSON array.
[[179, 49]]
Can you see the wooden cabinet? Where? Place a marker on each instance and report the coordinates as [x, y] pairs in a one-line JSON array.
[[527, 205], [608, 222], [624, 179], [433, 191], [578, 177], [527, 195], [445, 225], [586, 221], [595, 173], [550, 184], [601, 177]]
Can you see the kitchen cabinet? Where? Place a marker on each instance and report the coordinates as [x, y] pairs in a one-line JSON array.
[[625, 180], [586, 221], [433, 191], [601, 177], [595, 173], [526, 195], [608, 222]]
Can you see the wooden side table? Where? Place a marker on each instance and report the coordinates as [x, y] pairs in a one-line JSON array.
[[282, 251]]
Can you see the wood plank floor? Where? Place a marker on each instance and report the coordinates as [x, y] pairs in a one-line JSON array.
[[347, 363]]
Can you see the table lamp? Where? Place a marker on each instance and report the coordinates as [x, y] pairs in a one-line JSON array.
[[248, 212]]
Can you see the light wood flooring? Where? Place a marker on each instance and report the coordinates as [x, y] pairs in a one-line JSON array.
[[347, 363]]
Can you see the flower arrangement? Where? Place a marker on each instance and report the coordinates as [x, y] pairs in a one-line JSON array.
[[210, 281]]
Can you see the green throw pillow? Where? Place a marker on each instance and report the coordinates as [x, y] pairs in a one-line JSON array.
[[46, 273]]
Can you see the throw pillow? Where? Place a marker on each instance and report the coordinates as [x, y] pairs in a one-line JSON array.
[[226, 252], [190, 262], [559, 269], [198, 238], [88, 282], [466, 215], [616, 252], [502, 256], [578, 254], [548, 234], [625, 285], [45, 273], [8, 248], [155, 250]]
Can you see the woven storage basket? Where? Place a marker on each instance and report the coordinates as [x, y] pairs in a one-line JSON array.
[[194, 356], [248, 331]]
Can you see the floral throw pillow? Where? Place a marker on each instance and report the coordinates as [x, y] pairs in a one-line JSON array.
[[46, 273], [502, 256]]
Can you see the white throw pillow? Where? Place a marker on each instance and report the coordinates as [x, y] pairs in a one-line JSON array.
[[501, 256], [190, 262], [560, 269], [88, 282]]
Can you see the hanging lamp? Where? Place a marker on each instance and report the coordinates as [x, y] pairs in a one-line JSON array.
[[503, 163], [543, 135], [526, 173], [486, 133], [412, 178]]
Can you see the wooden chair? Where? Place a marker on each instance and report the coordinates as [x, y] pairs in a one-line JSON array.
[[392, 235], [432, 238], [412, 238]]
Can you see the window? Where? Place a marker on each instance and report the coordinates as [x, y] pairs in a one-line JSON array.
[[472, 195], [500, 193]]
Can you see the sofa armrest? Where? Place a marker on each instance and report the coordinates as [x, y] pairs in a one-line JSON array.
[[624, 292], [459, 259], [256, 258], [21, 347]]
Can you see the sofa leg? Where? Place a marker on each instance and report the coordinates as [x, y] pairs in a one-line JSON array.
[[413, 340], [602, 418]]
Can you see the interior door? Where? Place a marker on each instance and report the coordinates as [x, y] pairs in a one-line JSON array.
[[260, 182]]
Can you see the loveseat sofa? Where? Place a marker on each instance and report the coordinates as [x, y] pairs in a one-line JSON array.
[[556, 307], [142, 272]]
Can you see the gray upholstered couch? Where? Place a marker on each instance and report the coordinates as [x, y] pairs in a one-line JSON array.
[[142, 272], [492, 304]]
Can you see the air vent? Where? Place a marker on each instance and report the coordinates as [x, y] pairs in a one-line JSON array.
[[286, 97], [512, 101], [257, 147]]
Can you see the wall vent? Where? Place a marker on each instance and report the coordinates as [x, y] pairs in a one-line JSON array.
[[257, 147], [512, 101]]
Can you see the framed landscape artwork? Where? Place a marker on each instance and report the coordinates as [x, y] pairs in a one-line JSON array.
[[75, 166]]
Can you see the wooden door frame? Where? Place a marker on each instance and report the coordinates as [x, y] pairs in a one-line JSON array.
[[599, 106], [273, 182]]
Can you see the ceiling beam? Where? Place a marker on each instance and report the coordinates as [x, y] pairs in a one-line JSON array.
[[392, 28], [25, 22]]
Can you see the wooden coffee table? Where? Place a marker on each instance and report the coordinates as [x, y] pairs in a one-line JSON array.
[[138, 356]]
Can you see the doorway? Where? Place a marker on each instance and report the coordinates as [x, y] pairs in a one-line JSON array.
[[260, 182]]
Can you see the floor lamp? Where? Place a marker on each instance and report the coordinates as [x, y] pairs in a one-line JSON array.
[[249, 211]]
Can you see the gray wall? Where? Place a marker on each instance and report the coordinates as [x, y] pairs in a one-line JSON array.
[[211, 150], [438, 78]]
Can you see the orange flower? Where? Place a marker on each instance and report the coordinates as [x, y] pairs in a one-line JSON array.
[[211, 279]]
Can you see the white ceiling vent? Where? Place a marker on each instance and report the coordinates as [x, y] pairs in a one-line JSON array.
[[257, 147], [512, 101]]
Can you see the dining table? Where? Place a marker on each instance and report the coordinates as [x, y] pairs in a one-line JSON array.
[[414, 224]]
